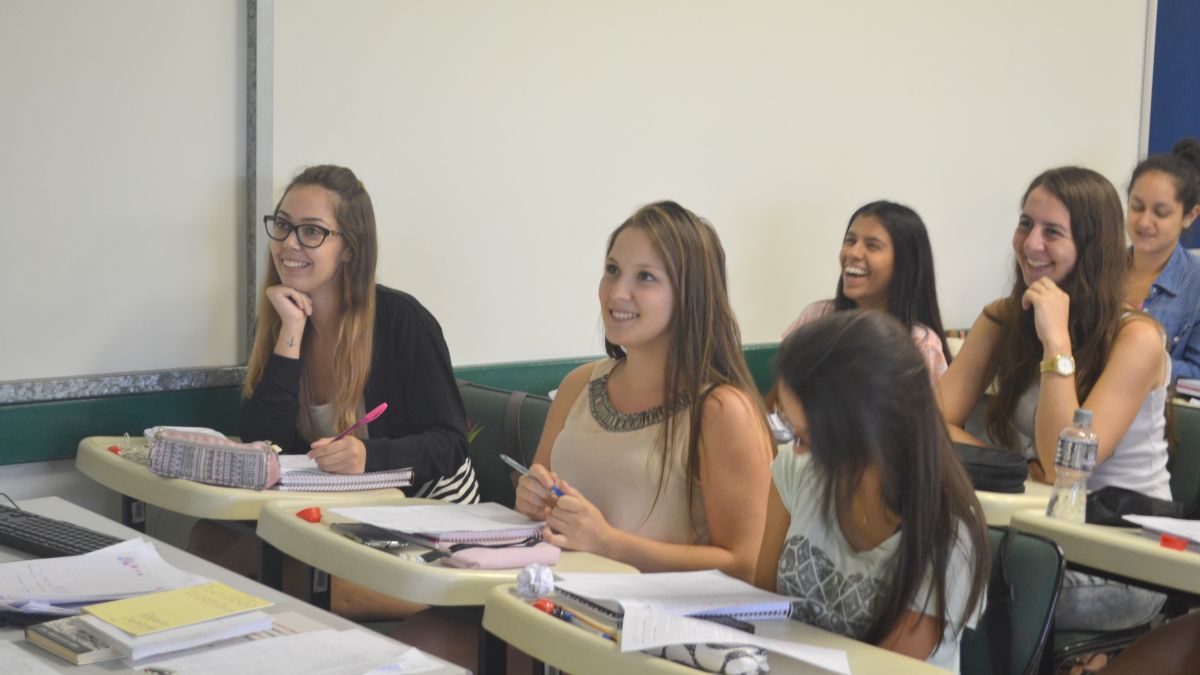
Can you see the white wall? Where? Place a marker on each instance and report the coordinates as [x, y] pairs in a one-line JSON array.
[[502, 142], [122, 134]]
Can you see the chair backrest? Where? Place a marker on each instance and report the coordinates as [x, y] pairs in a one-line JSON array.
[[1010, 638], [1185, 462], [502, 421]]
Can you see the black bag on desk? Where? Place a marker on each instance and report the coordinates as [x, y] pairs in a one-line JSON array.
[[993, 469], [1106, 506]]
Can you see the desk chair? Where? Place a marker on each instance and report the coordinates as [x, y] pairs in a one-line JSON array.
[[1185, 458], [1027, 572], [501, 422]]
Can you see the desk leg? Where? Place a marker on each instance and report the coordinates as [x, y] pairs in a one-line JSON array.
[[270, 565], [493, 653], [317, 583], [133, 513]]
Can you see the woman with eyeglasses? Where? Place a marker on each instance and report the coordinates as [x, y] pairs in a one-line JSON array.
[[872, 522], [330, 345]]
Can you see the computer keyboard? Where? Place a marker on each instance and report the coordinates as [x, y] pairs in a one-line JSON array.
[[47, 537]]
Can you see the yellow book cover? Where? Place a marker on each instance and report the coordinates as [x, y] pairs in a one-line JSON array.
[[156, 612]]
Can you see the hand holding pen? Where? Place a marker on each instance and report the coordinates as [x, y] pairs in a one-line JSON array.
[[345, 453], [537, 492]]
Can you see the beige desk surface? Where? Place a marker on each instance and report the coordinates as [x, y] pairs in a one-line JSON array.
[[195, 499], [315, 544], [1117, 550], [560, 644], [55, 507], [998, 507]]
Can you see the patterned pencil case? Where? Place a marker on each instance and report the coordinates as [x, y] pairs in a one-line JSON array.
[[213, 460]]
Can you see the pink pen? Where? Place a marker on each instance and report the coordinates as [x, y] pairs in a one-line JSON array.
[[365, 419]]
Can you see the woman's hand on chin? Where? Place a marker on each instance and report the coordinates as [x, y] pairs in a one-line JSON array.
[[1051, 311]]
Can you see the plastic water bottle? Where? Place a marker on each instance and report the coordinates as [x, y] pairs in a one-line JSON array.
[[1074, 461]]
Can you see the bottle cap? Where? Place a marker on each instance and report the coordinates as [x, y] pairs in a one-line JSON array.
[[1083, 418]]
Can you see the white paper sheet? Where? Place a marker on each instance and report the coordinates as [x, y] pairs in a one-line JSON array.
[[1187, 529], [323, 652], [485, 517], [129, 568], [290, 463], [646, 628], [16, 661]]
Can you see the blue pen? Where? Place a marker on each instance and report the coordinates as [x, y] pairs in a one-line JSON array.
[[520, 468]]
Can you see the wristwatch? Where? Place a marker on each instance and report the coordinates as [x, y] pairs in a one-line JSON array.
[[1062, 364]]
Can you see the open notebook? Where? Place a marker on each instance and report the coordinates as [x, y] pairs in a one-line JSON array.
[[450, 523]]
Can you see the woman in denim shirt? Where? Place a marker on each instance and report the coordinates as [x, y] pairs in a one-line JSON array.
[[1164, 278]]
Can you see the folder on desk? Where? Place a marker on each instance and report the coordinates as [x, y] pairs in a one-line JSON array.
[[449, 524]]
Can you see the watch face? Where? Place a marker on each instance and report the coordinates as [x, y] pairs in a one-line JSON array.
[[1063, 365]]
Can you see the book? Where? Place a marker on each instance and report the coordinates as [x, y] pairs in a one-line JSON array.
[[487, 522], [177, 639], [707, 593], [176, 608], [71, 639], [1188, 387], [299, 473]]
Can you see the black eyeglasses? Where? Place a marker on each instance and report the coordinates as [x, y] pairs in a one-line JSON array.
[[309, 236]]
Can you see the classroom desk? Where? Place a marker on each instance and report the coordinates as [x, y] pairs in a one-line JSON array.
[[998, 507], [63, 510], [135, 481], [315, 544], [570, 649], [1115, 550]]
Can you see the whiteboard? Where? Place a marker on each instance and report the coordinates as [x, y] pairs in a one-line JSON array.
[[122, 155], [502, 142]]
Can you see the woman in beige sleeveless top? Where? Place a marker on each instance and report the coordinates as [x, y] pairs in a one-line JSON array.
[[661, 452]]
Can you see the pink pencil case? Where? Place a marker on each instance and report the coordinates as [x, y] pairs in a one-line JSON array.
[[481, 558]]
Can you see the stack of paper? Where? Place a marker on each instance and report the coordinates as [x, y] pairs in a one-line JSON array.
[[299, 473], [62, 585], [170, 621], [1156, 526], [450, 524], [658, 609]]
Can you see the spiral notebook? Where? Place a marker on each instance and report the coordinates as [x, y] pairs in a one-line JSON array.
[[449, 523], [299, 473], [698, 594]]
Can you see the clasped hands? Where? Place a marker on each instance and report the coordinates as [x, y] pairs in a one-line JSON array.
[[572, 522]]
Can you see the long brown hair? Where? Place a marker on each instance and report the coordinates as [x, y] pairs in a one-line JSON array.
[[356, 281], [706, 345], [1095, 285], [868, 402]]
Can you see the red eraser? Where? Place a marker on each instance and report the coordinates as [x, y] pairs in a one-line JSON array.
[[114, 449], [1171, 541], [312, 514], [543, 605]]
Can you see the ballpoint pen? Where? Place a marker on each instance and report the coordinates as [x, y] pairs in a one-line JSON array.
[[520, 468]]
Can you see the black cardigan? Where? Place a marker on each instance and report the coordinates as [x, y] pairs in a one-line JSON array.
[[425, 424]]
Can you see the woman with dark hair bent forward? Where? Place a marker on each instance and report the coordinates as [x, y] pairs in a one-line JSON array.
[[871, 519]]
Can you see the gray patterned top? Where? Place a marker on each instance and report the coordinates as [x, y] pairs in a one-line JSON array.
[[613, 420]]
